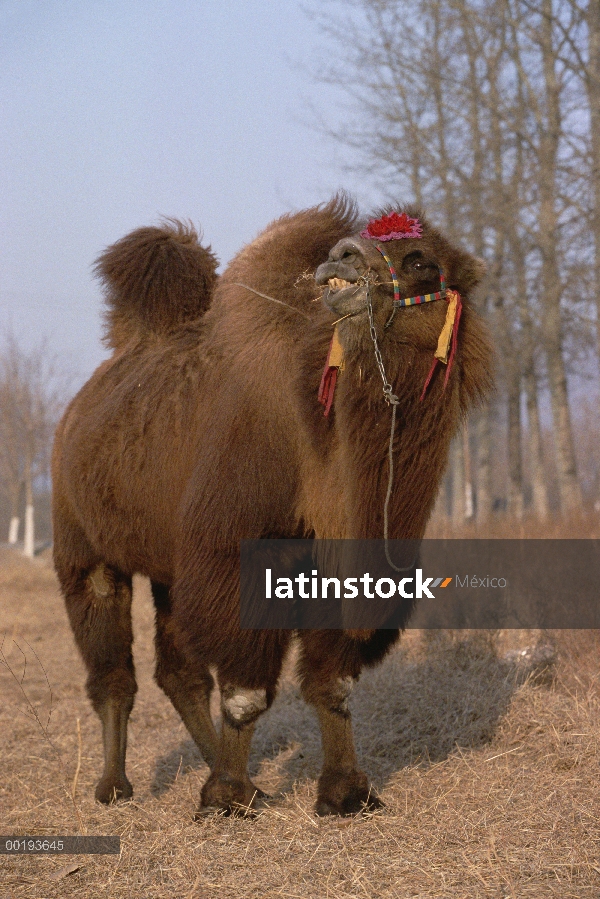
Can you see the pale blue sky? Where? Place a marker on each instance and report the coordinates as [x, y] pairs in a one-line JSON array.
[[115, 112]]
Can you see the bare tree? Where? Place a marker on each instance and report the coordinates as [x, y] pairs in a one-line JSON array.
[[474, 108], [32, 391], [591, 74]]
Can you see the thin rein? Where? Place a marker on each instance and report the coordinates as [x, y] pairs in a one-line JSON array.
[[393, 401], [272, 299]]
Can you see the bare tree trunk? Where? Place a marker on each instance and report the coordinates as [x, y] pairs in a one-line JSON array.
[[530, 384], [469, 505], [515, 467], [435, 69], [569, 491], [14, 490], [458, 482], [440, 514], [534, 441], [504, 215], [478, 216], [593, 91], [518, 251], [29, 537], [484, 466]]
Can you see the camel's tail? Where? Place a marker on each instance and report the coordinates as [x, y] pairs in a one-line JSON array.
[[154, 280]]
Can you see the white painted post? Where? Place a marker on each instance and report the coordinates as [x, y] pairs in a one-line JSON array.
[[28, 543], [13, 530], [469, 507]]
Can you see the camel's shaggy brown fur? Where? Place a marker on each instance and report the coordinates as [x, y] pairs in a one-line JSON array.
[[204, 429], [155, 279]]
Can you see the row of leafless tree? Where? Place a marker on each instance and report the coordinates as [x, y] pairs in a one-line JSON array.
[[487, 114], [33, 388]]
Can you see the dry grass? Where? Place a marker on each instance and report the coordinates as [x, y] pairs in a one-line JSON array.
[[490, 778]]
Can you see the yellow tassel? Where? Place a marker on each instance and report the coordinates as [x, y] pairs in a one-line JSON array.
[[445, 338], [336, 352]]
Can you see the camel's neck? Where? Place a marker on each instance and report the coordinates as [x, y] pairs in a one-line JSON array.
[[422, 438]]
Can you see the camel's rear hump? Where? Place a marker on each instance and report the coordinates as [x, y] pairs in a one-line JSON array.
[[155, 279]]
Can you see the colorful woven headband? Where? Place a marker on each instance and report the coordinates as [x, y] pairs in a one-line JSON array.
[[448, 339], [412, 301]]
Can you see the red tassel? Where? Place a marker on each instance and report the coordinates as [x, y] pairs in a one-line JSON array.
[[428, 378], [328, 382], [327, 388]]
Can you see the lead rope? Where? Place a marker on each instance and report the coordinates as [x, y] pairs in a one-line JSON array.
[[272, 299], [393, 401]]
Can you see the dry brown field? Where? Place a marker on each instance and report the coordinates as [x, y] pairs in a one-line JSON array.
[[488, 767]]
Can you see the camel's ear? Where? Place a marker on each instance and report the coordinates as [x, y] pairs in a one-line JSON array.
[[467, 272], [480, 268]]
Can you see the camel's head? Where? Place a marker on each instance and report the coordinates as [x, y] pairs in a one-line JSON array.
[[419, 256]]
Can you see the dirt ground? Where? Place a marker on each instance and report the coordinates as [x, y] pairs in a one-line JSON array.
[[487, 763]]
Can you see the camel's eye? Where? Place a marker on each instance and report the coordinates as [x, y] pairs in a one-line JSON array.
[[419, 265], [422, 267]]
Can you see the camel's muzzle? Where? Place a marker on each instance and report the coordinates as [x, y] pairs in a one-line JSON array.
[[338, 270], [346, 261], [341, 272]]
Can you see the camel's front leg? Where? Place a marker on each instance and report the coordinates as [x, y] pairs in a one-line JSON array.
[[343, 788], [229, 787]]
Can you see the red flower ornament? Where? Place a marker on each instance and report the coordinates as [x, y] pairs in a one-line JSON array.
[[394, 226]]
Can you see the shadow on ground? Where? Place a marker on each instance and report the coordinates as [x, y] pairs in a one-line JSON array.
[[417, 708]]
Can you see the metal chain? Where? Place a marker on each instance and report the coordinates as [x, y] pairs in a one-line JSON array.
[[389, 397], [393, 401]]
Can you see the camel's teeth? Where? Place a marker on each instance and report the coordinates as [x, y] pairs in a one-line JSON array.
[[339, 283]]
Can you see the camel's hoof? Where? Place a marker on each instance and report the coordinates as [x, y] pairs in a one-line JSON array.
[[231, 811], [111, 789], [352, 805], [228, 796], [345, 794]]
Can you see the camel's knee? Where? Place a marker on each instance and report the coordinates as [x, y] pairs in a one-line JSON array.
[[333, 695], [99, 581], [340, 693], [99, 606], [242, 706]]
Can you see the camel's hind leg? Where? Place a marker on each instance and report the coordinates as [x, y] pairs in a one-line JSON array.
[[188, 688], [98, 601], [328, 667]]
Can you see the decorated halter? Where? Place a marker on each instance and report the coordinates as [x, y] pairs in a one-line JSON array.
[[399, 226], [410, 301]]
